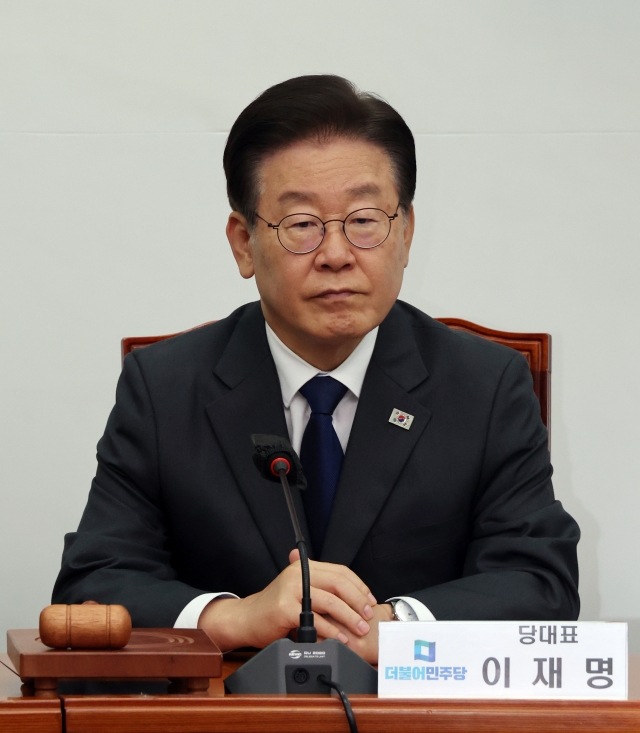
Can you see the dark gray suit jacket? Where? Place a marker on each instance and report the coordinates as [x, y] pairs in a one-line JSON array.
[[458, 511]]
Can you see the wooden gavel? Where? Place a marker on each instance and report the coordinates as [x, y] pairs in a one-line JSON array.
[[86, 626]]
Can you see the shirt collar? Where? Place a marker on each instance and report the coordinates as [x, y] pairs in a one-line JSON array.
[[295, 372]]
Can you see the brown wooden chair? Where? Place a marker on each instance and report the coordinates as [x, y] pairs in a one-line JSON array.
[[536, 348]]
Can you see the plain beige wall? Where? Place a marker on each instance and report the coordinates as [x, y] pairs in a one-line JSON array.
[[113, 118]]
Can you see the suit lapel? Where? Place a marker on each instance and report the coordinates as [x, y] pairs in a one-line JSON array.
[[377, 449], [251, 402]]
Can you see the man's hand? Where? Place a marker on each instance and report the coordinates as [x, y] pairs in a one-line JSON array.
[[367, 646], [342, 606]]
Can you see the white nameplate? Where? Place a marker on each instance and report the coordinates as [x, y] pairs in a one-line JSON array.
[[555, 660]]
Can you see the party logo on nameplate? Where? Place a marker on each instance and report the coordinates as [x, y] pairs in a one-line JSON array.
[[401, 419]]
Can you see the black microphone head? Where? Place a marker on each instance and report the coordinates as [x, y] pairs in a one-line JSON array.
[[268, 448]]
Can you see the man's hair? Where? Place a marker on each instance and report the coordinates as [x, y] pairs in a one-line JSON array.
[[318, 107]]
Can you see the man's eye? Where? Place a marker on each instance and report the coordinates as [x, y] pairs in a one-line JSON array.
[[304, 224]]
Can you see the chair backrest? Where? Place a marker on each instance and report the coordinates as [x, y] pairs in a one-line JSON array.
[[536, 348], [131, 343]]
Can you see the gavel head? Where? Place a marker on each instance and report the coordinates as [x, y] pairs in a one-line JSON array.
[[86, 626]]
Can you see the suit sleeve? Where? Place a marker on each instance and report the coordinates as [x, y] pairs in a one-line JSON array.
[[521, 561], [121, 552]]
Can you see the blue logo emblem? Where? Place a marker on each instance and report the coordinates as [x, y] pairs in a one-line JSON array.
[[424, 650]]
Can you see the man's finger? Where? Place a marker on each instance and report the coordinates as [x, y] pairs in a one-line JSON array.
[[294, 556], [326, 630], [328, 604], [331, 570], [333, 579], [342, 581]]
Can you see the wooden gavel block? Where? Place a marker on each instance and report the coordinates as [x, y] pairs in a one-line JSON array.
[[96, 642], [86, 626]]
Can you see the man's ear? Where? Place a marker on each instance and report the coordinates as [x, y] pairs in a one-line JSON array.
[[239, 238], [409, 226]]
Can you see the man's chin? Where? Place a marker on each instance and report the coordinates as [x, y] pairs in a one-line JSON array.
[[340, 327]]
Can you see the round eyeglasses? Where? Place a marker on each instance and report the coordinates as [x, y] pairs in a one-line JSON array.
[[302, 233]]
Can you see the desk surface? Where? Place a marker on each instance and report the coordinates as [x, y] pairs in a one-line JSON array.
[[217, 713]]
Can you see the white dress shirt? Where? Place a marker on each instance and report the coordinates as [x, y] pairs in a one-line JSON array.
[[293, 373]]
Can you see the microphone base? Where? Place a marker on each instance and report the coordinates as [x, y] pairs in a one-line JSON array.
[[287, 667]]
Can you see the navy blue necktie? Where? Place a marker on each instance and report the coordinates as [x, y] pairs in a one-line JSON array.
[[321, 455]]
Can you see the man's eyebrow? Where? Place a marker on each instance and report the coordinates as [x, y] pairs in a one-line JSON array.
[[366, 189], [295, 197]]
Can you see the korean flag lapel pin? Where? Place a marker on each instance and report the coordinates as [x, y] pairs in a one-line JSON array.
[[401, 419]]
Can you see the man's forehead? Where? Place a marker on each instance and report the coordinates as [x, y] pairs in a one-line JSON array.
[[310, 197], [330, 173]]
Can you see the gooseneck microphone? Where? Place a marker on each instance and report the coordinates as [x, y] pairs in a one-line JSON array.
[[305, 666], [274, 457]]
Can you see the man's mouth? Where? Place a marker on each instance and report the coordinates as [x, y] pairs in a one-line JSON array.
[[331, 294]]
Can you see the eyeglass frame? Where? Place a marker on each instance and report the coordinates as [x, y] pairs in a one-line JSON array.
[[392, 218]]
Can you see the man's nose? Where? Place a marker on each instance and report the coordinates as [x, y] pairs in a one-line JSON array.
[[335, 251]]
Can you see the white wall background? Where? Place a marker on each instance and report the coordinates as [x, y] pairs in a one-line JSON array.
[[113, 118]]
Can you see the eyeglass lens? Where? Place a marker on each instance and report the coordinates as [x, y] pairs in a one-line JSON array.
[[365, 228]]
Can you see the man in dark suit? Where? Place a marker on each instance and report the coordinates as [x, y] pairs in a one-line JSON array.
[[429, 474]]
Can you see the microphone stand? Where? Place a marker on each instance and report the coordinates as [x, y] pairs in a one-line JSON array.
[[305, 666], [306, 631]]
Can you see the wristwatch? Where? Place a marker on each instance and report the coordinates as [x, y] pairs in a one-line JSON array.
[[402, 611]]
